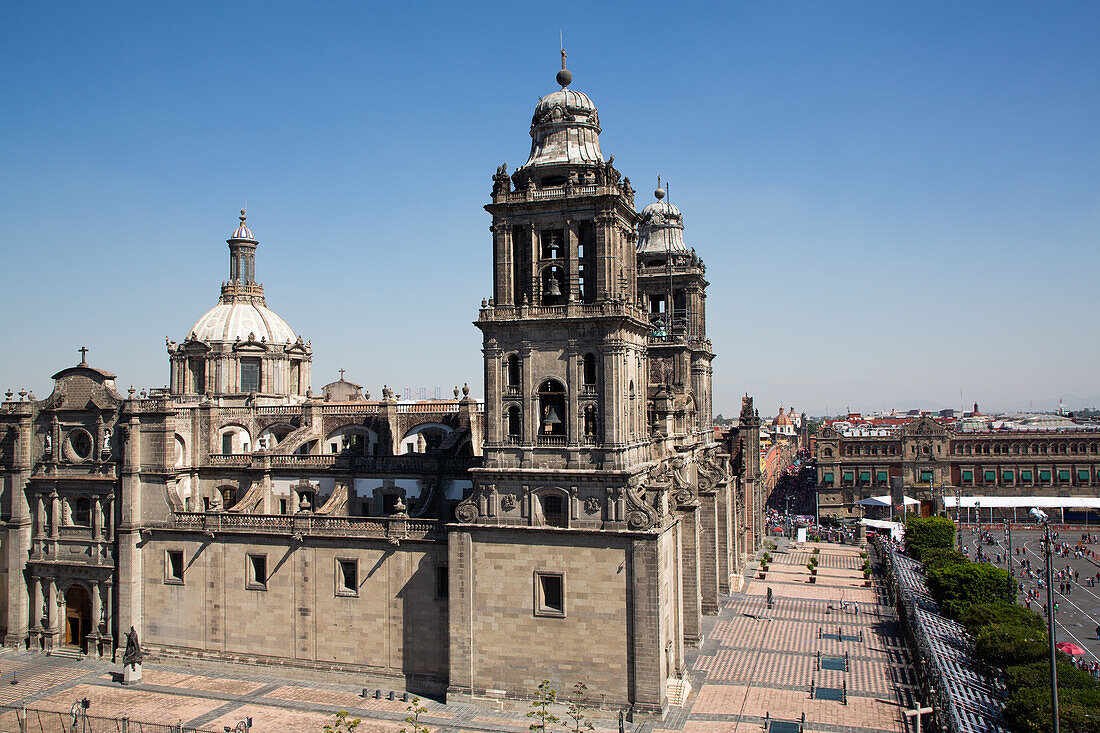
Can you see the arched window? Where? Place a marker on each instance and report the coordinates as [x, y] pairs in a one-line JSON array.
[[515, 424], [828, 452], [590, 370], [590, 421], [513, 372], [552, 408], [553, 511]]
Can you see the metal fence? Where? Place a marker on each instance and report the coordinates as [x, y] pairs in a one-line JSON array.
[[76, 720]]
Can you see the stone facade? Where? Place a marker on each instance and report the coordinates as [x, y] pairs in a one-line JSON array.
[[575, 525], [932, 461]]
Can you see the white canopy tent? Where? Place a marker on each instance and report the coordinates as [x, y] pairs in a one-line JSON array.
[[1024, 503], [896, 529], [885, 501]]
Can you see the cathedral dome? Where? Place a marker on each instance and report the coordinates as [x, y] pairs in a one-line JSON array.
[[235, 321]]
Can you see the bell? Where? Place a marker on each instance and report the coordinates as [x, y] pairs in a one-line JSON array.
[[552, 288], [550, 419]]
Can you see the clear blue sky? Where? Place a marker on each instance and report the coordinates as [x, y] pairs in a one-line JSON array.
[[894, 201]]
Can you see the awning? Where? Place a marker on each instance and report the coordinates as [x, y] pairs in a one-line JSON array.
[[884, 501], [1025, 502]]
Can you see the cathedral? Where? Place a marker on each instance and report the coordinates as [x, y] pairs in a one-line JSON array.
[[575, 525]]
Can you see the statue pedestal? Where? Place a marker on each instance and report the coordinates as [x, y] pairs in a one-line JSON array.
[[131, 674]]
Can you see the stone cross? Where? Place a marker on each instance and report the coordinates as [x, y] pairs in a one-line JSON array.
[[916, 713], [83, 354], [341, 375]]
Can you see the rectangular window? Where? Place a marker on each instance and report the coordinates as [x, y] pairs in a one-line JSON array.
[[282, 506], [227, 443], [1044, 476], [1025, 476], [1007, 477], [256, 572], [173, 567], [550, 594], [250, 374], [968, 475], [442, 582], [881, 477], [865, 477], [990, 477], [1083, 476], [827, 478], [925, 476], [347, 577], [1063, 476], [848, 477]]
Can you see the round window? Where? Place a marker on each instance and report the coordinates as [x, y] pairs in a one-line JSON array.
[[78, 446]]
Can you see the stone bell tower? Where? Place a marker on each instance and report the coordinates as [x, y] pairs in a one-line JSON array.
[[558, 534], [564, 340]]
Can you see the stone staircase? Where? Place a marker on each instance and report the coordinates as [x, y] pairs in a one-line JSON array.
[[66, 652], [678, 691]]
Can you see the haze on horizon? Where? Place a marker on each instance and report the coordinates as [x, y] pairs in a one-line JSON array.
[[894, 202]]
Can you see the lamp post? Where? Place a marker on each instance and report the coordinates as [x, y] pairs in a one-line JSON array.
[[958, 527], [1041, 516]]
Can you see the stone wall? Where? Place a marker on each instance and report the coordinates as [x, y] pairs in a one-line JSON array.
[[393, 626], [501, 648]]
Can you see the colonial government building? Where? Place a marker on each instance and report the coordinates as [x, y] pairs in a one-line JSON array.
[[575, 525]]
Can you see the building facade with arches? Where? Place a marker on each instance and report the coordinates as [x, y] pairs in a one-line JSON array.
[[583, 504]]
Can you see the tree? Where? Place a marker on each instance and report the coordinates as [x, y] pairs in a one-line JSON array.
[[415, 710], [540, 708], [957, 586], [1028, 710], [1004, 645], [925, 533], [977, 616], [577, 707], [938, 557], [342, 724]]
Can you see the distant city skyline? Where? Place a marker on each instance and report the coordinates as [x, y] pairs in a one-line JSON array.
[[893, 202]]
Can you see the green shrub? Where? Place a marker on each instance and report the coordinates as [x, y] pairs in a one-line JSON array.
[[957, 586], [938, 557], [1037, 674], [1005, 645], [979, 615], [767, 559], [925, 533], [1028, 710]]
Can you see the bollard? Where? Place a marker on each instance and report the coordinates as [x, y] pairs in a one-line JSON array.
[[861, 634], [844, 693], [377, 694], [767, 717], [391, 695], [404, 697], [845, 661]]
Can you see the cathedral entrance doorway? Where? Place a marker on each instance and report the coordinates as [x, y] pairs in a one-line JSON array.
[[78, 616]]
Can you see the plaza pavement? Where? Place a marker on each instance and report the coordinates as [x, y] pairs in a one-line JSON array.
[[754, 662], [1079, 607]]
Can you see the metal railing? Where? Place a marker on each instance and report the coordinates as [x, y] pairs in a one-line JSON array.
[[17, 719]]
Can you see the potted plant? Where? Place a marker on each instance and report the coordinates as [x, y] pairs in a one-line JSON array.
[[813, 571]]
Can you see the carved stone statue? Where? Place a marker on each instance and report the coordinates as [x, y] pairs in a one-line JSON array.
[[48, 444], [132, 656]]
